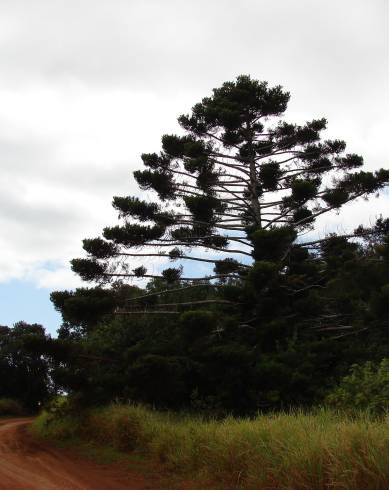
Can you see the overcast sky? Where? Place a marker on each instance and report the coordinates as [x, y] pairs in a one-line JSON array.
[[88, 85]]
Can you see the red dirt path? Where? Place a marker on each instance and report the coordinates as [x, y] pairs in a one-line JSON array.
[[27, 464]]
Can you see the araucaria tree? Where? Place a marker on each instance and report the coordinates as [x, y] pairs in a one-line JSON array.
[[239, 186], [276, 317]]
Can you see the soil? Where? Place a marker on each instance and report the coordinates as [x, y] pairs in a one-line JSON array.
[[30, 464]]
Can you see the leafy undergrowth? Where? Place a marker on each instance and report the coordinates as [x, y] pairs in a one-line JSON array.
[[322, 450], [10, 408]]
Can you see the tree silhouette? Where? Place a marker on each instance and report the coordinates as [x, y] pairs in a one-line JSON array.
[[240, 184]]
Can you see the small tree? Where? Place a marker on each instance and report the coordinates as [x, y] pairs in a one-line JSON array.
[[365, 388], [240, 183]]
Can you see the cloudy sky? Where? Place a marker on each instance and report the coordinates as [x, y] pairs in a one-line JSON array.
[[88, 85]]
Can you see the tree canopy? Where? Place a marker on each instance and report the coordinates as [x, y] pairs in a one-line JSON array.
[[24, 371], [241, 182]]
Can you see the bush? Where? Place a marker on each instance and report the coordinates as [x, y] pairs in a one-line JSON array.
[[10, 407], [365, 388]]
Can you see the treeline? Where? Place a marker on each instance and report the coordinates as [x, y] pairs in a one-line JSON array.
[[278, 340], [252, 348], [26, 383]]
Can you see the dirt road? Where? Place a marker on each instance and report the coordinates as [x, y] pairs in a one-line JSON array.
[[26, 464]]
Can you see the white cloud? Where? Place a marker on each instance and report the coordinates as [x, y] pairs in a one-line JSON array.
[[86, 86], [59, 278]]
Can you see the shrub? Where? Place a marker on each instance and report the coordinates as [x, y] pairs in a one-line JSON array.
[[10, 407], [365, 388]]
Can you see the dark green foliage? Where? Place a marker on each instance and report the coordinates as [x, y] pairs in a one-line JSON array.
[[166, 379], [196, 324], [133, 234], [217, 241], [183, 233], [160, 182], [262, 273], [171, 274], [336, 197], [272, 244], [237, 168], [279, 344], [10, 408], [269, 175], [302, 217], [380, 303], [173, 145], [99, 248], [88, 269], [84, 307], [178, 147], [24, 372], [365, 388], [226, 266], [303, 190], [164, 219], [283, 318], [350, 161], [139, 271], [154, 161], [204, 208], [206, 178], [175, 253], [132, 206], [381, 227], [337, 250], [365, 182], [229, 106]]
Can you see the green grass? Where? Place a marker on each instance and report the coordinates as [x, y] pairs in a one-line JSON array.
[[321, 450]]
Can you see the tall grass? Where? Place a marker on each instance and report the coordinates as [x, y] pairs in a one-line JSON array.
[[322, 450]]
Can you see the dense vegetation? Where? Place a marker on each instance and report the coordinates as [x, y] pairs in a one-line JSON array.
[[300, 345], [297, 451], [10, 407], [24, 370], [264, 318]]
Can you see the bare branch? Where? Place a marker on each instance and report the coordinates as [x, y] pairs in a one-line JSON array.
[[153, 276], [185, 257], [175, 290], [189, 245], [200, 302], [146, 312]]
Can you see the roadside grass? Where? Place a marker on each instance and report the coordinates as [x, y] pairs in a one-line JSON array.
[[296, 451], [10, 408]]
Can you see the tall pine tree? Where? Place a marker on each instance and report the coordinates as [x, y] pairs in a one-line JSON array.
[[240, 185]]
